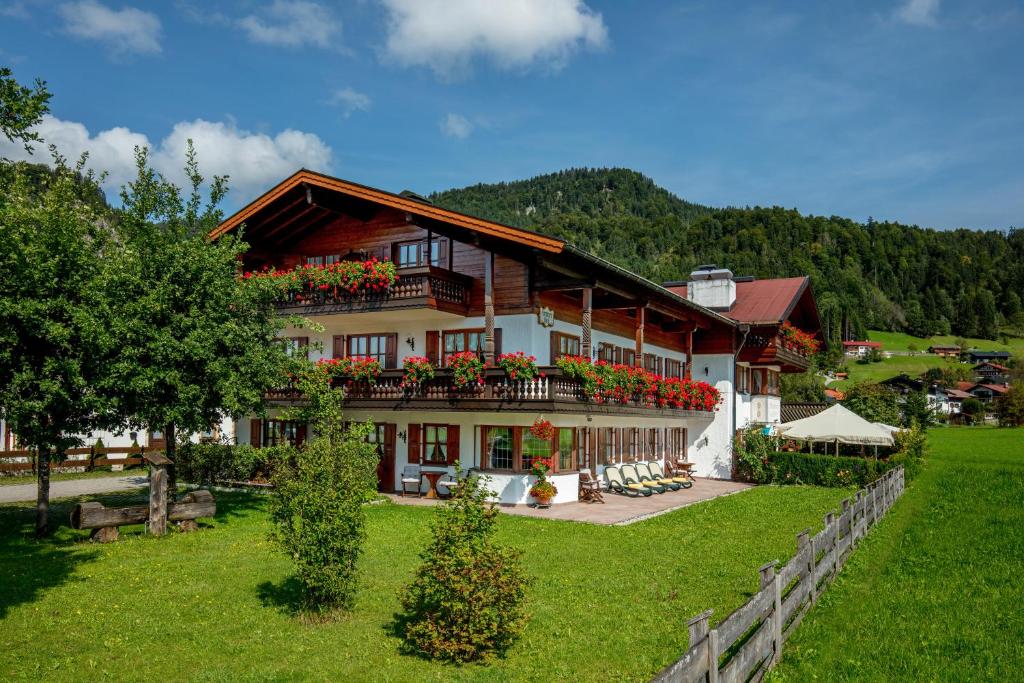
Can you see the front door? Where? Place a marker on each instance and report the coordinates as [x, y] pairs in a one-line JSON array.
[[383, 435]]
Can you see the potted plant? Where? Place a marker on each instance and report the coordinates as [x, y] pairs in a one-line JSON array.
[[417, 371], [543, 491], [467, 370], [543, 429], [518, 366]]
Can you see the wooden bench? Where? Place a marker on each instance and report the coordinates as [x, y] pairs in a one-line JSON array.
[[104, 521]]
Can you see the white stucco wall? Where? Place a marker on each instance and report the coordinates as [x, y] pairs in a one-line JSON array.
[[710, 447]]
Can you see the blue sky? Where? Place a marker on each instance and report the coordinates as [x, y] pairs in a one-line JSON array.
[[907, 110]]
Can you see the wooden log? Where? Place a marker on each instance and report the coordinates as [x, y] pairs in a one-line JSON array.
[[94, 515], [106, 534], [193, 505]]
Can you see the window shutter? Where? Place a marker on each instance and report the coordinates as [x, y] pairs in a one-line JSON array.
[[391, 351], [255, 432], [497, 342], [434, 348], [300, 434], [339, 346], [303, 343], [554, 347], [389, 439], [415, 447], [453, 444]]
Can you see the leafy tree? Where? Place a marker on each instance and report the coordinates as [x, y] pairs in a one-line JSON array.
[[873, 402], [191, 343], [973, 410], [805, 387], [21, 107], [917, 411], [51, 247], [1010, 408], [466, 601]]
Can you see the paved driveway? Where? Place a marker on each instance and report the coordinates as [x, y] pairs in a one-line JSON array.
[[18, 493]]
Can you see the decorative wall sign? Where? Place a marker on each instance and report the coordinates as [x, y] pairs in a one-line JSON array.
[[546, 317]]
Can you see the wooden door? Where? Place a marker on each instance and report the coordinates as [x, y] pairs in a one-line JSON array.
[[383, 436]]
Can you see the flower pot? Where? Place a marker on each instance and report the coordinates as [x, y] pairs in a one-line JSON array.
[[543, 502]]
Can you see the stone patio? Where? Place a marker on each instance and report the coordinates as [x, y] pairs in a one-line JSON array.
[[616, 509]]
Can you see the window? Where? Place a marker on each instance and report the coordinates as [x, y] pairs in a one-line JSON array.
[[411, 254], [628, 356], [323, 260], [673, 368], [743, 379], [282, 432], [381, 347], [675, 446], [499, 448], [608, 445], [532, 447], [564, 345], [652, 363], [566, 449], [435, 444], [757, 381], [296, 347], [457, 341], [773, 382]]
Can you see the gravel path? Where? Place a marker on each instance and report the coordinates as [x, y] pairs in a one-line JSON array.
[[18, 493]]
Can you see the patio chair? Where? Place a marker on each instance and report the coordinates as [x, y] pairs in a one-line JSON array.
[[631, 474], [681, 481], [450, 482], [683, 469], [590, 488], [613, 477], [412, 476], [647, 473]]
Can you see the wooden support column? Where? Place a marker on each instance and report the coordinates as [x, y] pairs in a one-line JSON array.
[[638, 361], [588, 314], [489, 308], [689, 355]]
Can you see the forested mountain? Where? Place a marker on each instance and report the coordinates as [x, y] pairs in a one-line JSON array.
[[866, 275]]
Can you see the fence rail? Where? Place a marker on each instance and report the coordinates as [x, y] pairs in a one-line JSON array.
[[745, 645], [87, 459]]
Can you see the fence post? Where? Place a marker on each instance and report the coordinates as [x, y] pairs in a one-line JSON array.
[[713, 656], [834, 533], [698, 627], [858, 504]]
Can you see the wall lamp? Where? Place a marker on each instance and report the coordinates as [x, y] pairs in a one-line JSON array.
[[402, 435], [411, 341]]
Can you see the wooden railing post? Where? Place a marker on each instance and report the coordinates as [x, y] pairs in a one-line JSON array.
[[713, 655], [698, 627], [158, 464], [834, 533], [769, 577]]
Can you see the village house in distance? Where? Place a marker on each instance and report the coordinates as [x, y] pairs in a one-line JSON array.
[[465, 284]]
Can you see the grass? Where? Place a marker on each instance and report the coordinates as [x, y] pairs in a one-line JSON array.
[[888, 367], [898, 341], [69, 476], [607, 603], [935, 592]]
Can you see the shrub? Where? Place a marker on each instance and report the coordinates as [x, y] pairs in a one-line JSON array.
[[825, 470], [211, 463], [753, 450], [518, 365], [466, 601], [318, 512]]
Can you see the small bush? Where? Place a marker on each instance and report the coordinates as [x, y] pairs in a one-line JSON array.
[[753, 450], [466, 602], [318, 512]]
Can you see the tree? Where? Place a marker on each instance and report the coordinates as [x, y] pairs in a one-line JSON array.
[[873, 402], [973, 410], [1010, 407], [192, 343], [805, 387], [51, 248], [917, 411], [21, 107]]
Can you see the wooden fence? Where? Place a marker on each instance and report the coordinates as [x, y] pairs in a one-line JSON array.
[[744, 645], [87, 459]]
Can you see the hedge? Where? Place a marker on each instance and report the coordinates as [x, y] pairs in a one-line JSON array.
[[209, 463], [825, 470]]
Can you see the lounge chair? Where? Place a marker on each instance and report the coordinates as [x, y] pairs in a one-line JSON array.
[[412, 476], [683, 482], [631, 475], [590, 488], [613, 478], [647, 473]]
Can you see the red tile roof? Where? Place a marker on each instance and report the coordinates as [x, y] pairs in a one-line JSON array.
[[761, 301], [956, 393], [995, 388], [837, 395], [997, 366], [965, 386]]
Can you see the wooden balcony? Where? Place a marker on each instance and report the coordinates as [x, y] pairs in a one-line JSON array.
[[553, 393], [420, 287], [777, 350]]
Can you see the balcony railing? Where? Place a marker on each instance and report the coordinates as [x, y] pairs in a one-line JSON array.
[[424, 286], [761, 348], [554, 392]]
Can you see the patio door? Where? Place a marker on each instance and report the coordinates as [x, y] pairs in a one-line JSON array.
[[383, 435]]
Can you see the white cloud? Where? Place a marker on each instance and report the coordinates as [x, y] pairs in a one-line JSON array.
[[254, 161], [456, 126], [126, 30], [447, 34], [919, 12], [350, 100], [292, 23]]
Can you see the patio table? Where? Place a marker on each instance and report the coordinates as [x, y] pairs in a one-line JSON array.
[[432, 479]]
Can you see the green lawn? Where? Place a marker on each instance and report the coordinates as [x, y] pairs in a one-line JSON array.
[[888, 367], [898, 341], [608, 603], [936, 591]]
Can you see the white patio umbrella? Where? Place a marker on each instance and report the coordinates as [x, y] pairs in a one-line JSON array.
[[837, 425]]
